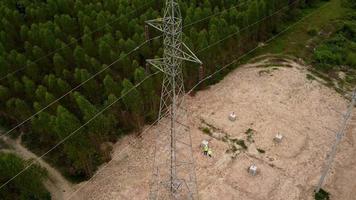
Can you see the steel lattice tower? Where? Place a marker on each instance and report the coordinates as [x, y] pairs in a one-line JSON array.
[[173, 172]]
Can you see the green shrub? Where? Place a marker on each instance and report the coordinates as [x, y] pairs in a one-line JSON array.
[[322, 195], [241, 143], [206, 130], [325, 55], [261, 150], [249, 131]]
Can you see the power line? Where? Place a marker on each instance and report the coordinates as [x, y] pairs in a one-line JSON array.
[[72, 42], [74, 132], [108, 163], [75, 40], [339, 135], [197, 21], [214, 14], [245, 28], [200, 82], [257, 47], [192, 89], [73, 89], [96, 74], [82, 83], [159, 185], [78, 86]]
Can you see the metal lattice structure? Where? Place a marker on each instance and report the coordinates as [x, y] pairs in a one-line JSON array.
[[339, 136], [173, 172]]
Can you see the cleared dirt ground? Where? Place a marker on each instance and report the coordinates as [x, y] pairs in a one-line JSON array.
[[267, 100]]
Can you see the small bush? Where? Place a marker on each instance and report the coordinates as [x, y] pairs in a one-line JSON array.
[[241, 143], [322, 195], [234, 149], [206, 130], [249, 131], [249, 134], [261, 150]]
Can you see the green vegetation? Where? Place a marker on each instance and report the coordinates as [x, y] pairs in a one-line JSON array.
[[325, 39], [261, 150], [241, 143], [250, 132], [206, 130], [299, 40], [219, 134], [322, 195], [28, 185], [34, 37], [337, 53]]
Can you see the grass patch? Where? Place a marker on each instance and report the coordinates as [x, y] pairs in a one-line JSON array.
[[317, 38], [299, 39], [294, 40]]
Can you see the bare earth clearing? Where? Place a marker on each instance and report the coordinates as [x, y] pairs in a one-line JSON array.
[[267, 100]]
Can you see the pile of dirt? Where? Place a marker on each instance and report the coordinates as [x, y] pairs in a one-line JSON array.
[[269, 99]]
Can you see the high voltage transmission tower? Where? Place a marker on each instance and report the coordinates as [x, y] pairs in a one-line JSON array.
[[173, 174], [339, 135]]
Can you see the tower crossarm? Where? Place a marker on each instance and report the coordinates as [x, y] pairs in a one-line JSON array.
[[156, 23], [186, 54], [189, 53], [158, 63]]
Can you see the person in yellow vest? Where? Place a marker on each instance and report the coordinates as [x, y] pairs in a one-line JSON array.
[[205, 149], [210, 152]]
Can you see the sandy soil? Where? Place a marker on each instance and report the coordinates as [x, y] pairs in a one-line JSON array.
[[267, 100]]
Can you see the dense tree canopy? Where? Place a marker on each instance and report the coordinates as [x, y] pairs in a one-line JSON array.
[[28, 185]]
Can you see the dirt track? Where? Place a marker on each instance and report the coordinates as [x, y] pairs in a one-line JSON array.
[[267, 100], [56, 184]]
